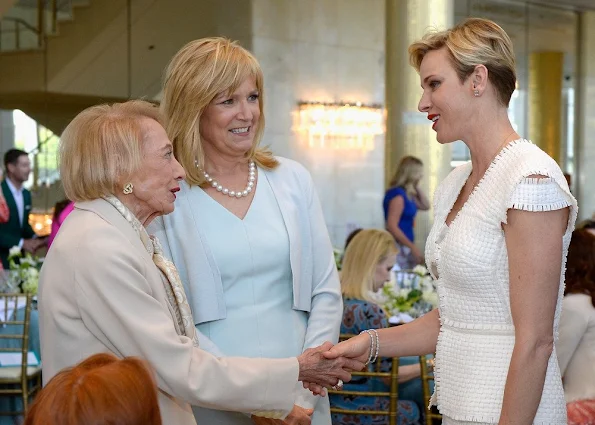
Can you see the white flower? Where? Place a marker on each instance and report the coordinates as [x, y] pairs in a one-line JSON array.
[[28, 260], [31, 286], [15, 251], [390, 284], [377, 297], [430, 297], [32, 273], [420, 270], [403, 293], [426, 284]]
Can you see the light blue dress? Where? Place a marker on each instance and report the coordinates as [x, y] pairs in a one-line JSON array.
[[257, 285]]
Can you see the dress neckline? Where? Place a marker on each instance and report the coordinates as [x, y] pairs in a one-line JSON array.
[[204, 193], [480, 183]]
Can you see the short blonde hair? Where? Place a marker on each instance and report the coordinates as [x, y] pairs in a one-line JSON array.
[[473, 42], [197, 74], [407, 174], [101, 146], [365, 251]]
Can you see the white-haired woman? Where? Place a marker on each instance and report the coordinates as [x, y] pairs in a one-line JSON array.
[[248, 234], [105, 285]]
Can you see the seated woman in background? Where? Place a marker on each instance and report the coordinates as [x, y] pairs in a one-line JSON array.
[[368, 260], [61, 211], [101, 390], [576, 343], [401, 202]]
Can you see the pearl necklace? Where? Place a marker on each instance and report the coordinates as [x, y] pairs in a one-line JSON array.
[[233, 194]]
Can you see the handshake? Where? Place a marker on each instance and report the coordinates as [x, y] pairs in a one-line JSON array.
[[326, 366], [329, 366]]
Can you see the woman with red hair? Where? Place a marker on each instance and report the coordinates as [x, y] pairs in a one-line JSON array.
[[100, 390], [576, 355]]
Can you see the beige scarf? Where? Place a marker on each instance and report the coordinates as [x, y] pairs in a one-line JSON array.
[[174, 289]]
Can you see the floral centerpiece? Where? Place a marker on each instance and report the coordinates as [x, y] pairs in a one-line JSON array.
[[412, 293], [338, 254], [23, 272]]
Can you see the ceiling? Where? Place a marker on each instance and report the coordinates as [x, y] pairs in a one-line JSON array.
[[565, 4]]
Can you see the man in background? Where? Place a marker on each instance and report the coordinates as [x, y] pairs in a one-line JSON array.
[[17, 231]]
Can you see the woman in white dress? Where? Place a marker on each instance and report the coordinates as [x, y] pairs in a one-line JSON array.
[[248, 235], [497, 248]]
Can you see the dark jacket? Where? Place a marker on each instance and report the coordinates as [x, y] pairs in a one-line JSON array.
[[12, 232]]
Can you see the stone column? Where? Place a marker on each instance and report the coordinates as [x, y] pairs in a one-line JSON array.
[[408, 132], [6, 133], [585, 117], [545, 101]]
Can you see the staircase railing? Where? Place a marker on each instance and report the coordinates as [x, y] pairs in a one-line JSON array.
[[18, 34], [27, 33]]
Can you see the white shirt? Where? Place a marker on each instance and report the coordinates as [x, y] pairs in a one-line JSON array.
[[576, 347], [19, 200]]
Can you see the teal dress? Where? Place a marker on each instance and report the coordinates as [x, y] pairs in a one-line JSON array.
[[258, 289]]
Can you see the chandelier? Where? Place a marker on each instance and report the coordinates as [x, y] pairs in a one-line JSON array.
[[339, 126]]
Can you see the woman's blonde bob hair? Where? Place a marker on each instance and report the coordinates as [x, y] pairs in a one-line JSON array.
[[407, 175], [365, 251], [473, 42], [101, 147], [197, 74]]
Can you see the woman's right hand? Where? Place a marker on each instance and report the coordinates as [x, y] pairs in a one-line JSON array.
[[356, 348], [326, 371]]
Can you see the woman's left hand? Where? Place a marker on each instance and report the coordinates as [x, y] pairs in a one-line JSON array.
[[298, 416], [356, 349]]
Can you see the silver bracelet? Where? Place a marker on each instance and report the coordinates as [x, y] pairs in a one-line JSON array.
[[371, 345], [377, 345]]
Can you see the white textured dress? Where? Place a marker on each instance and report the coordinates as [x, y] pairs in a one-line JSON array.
[[469, 261]]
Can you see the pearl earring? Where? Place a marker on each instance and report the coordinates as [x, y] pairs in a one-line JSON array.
[[128, 189], [476, 93]]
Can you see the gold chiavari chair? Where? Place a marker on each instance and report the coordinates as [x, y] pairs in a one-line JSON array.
[[427, 375], [393, 394], [17, 381]]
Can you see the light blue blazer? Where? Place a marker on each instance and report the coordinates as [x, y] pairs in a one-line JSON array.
[[316, 287]]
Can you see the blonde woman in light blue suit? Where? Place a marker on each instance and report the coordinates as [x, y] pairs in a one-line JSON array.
[[248, 234]]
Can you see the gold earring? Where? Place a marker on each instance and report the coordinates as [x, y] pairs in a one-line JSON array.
[[128, 189]]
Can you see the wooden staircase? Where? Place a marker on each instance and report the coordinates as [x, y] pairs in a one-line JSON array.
[[41, 42]]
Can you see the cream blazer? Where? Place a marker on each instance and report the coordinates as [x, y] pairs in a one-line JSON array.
[[101, 292]]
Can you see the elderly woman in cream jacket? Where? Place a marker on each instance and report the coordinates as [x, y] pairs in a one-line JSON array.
[[248, 234], [106, 286]]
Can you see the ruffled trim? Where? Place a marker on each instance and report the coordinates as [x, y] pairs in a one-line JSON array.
[[536, 194], [541, 207]]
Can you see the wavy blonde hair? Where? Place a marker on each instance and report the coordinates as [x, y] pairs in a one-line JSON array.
[[473, 42], [407, 175], [365, 251], [102, 146], [197, 74]]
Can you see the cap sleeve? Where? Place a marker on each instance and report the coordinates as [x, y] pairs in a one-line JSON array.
[[539, 194]]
